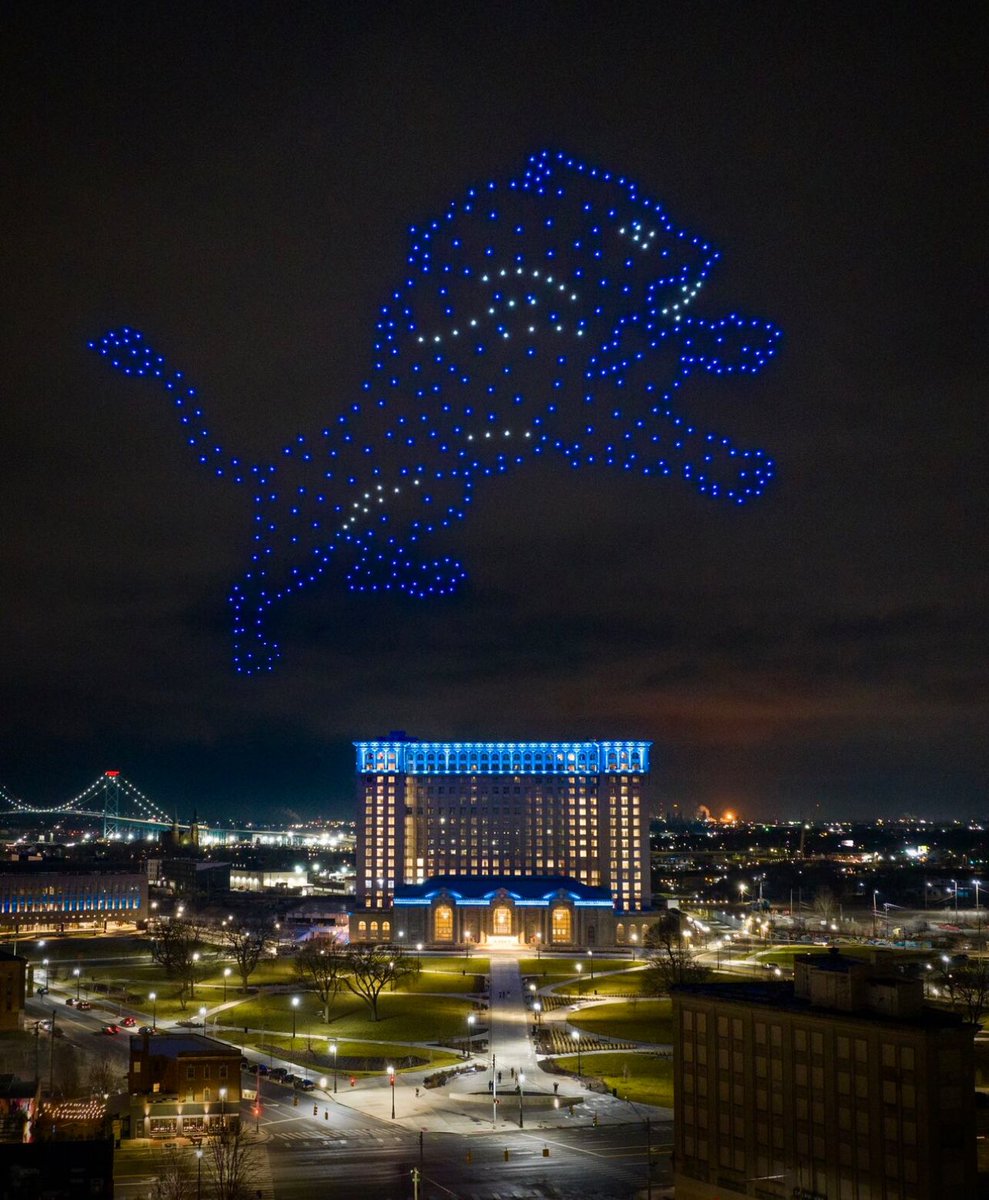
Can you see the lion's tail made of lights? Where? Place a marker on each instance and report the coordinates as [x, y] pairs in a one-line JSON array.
[[552, 313]]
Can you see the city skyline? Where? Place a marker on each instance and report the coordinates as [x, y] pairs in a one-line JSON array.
[[242, 188]]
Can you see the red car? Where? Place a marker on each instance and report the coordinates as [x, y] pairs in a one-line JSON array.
[[111, 1028], [129, 1021]]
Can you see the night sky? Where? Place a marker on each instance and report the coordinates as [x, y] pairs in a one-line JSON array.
[[237, 181]]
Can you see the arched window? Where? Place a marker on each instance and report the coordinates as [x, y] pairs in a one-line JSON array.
[[561, 927], [443, 923], [620, 932], [385, 928], [374, 929], [501, 924], [362, 926]]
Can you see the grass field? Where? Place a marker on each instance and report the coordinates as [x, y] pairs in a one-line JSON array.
[[631, 1020], [402, 1018], [352, 1058], [637, 1076], [551, 968]]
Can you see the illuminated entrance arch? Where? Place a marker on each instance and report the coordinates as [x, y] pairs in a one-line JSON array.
[[501, 921], [562, 928], [443, 923]]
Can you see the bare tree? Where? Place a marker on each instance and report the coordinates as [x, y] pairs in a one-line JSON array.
[[966, 984], [247, 943], [174, 1175], [181, 948], [825, 904], [103, 1075], [671, 959], [319, 966], [371, 968], [231, 1165]]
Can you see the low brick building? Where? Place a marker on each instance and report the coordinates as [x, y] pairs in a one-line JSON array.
[[182, 1085], [13, 974]]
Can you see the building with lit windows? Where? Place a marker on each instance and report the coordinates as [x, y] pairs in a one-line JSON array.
[[39, 897], [842, 1085], [544, 842]]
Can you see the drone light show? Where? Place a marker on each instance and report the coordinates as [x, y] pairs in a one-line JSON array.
[[552, 313]]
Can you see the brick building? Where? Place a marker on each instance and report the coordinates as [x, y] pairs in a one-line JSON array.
[[843, 1085], [182, 1085]]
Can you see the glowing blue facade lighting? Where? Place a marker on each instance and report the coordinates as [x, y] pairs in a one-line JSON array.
[[546, 314], [502, 758]]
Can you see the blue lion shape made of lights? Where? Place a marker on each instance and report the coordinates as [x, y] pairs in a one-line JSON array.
[[545, 314]]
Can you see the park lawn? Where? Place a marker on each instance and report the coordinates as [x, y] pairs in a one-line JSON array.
[[630, 1020], [638, 1077], [443, 982], [353, 1057], [402, 1018], [564, 967], [456, 964], [620, 984]]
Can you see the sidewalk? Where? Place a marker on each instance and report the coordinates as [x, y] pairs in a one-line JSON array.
[[465, 1104]]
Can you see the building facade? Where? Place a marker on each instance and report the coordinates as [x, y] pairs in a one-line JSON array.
[[44, 896], [13, 985], [840, 1086], [182, 1085], [500, 811]]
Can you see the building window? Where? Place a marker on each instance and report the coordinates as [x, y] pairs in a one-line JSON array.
[[562, 928], [443, 923]]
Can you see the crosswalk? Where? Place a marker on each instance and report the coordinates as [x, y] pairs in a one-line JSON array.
[[281, 1139]]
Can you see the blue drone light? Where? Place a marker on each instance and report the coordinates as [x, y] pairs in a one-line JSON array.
[[546, 314]]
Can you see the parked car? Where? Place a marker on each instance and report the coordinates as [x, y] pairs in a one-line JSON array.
[[111, 1028], [130, 1022], [42, 991], [305, 1085], [83, 1004], [189, 1023], [70, 1001], [290, 1079], [261, 1068], [278, 1072], [147, 1029]]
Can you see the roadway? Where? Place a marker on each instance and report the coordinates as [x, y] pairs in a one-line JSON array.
[[355, 1154]]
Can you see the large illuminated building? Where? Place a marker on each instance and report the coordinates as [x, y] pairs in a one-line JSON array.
[[502, 842]]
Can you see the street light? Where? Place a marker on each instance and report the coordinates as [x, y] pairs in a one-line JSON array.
[[295, 1009], [976, 883], [202, 1016], [537, 1008], [521, 1082], [418, 956], [590, 965], [391, 1084], [75, 972], [635, 942], [226, 976], [333, 1051], [223, 1108], [580, 967], [575, 1034], [192, 977], [199, 1175], [153, 997], [470, 1034]]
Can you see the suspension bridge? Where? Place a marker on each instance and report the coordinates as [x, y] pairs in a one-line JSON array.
[[124, 811], [110, 799]]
